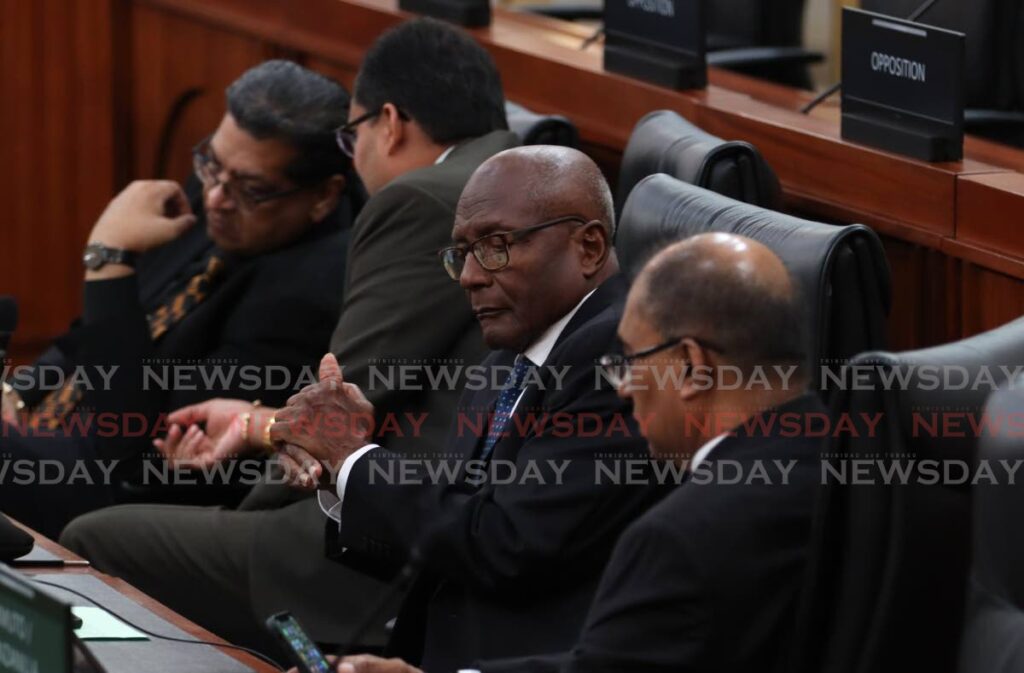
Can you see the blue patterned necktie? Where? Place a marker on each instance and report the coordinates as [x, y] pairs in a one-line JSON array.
[[505, 404]]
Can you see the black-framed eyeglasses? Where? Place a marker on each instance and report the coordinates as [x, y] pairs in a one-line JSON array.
[[345, 135], [617, 366], [491, 251], [208, 170]]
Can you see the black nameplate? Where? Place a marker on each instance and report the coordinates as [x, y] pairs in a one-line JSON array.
[[660, 41], [470, 13], [903, 86]]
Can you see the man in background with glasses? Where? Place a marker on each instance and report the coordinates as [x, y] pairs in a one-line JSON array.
[[427, 110], [178, 280], [509, 563]]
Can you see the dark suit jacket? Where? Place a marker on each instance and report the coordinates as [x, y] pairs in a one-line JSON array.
[[508, 569], [708, 579], [274, 309], [401, 307]]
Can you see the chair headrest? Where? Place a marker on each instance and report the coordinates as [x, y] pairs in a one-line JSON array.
[[539, 129], [661, 210], [942, 390], [664, 142]]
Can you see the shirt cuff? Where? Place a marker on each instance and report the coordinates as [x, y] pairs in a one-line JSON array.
[[330, 503], [105, 298]]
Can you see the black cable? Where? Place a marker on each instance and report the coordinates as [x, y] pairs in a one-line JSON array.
[[594, 37], [817, 100], [401, 582], [258, 655]]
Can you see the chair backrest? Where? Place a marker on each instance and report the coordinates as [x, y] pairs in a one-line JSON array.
[[841, 271], [664, 142], [990, 29], [754, 23], [538, 129], [893, 543], [993, 640]]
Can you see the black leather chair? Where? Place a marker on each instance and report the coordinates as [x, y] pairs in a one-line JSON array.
[[887, 589], [664, 142], [993, 640], [539, 129], [841, 270], [761, 38], [995, 56]]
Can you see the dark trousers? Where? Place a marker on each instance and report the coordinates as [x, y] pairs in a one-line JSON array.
[[201, 562]]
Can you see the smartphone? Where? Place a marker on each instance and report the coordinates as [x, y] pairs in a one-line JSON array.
[[304, 652]]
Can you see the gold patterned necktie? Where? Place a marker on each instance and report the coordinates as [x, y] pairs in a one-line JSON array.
[[55, 407], [170, 313]]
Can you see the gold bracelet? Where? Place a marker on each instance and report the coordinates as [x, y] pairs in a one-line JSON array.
[[246, 419], [268, 445]]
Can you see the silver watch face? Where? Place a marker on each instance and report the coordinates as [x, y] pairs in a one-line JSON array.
[[93, 258]]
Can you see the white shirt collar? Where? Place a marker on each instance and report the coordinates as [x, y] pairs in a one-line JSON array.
[[444, 155], [704, 451], [540, 349]]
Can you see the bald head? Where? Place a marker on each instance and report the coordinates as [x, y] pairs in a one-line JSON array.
[[532, 238], [728, 290], [548, 180]]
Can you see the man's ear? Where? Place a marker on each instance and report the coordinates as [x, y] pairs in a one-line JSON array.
[[328, 196], [594, 247], [695, 359], [394, 128]]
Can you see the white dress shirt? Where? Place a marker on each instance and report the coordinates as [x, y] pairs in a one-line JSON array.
[[537, 353], [704, 451]]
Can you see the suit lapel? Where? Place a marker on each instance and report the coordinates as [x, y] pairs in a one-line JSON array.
[[610, 292]]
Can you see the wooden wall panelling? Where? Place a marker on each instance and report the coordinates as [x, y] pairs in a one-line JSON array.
[[990, 299], [172, 55], [989, 213], [56, 160]]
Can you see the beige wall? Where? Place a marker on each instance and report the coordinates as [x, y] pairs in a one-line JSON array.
[[821, 33]]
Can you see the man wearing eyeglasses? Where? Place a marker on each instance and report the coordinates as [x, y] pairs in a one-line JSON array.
[[709, 578], [427, 110], [180, 282], [509, 565]]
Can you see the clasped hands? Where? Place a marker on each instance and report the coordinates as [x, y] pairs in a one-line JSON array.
[[312, 435]]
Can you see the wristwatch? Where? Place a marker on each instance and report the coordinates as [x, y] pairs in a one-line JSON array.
[[97, 256]]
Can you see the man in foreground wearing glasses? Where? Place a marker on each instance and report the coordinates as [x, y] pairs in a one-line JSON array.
[[172, 281], [708, 579], [508, 567]]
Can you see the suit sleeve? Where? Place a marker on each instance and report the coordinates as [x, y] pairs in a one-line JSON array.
[[523, 534], [277, 326], [648, 613], [651, 609], [399, 301]]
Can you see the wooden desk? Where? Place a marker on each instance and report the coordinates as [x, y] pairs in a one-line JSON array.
[[137, 596], [945, 242]]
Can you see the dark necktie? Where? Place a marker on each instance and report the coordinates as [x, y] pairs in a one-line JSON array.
[[58, 404], [171, 312], [505, 404]]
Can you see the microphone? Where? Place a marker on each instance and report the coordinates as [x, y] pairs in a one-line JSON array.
[[8, 322], [820, 98], [399, 584]]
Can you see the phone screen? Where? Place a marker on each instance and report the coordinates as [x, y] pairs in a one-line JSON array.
[[307, 655]]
